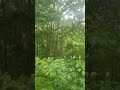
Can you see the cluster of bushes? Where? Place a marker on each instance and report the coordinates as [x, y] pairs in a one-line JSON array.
[[58, 74], [7, 82], [103, 85]]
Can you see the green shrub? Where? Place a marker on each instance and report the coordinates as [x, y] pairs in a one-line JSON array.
[[22, 83], [59, 74]]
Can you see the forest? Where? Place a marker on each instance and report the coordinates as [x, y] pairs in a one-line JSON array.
[[60, 45], [42, 40], [17, 55], [102, 44]]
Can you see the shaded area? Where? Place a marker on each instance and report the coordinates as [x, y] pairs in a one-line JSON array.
[[102, 44], [16, 39]]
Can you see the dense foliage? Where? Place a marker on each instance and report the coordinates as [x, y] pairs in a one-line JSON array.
[[102, 42], [58, 74], [59, 43], [7, 82], [17, 37], [17, 44]]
